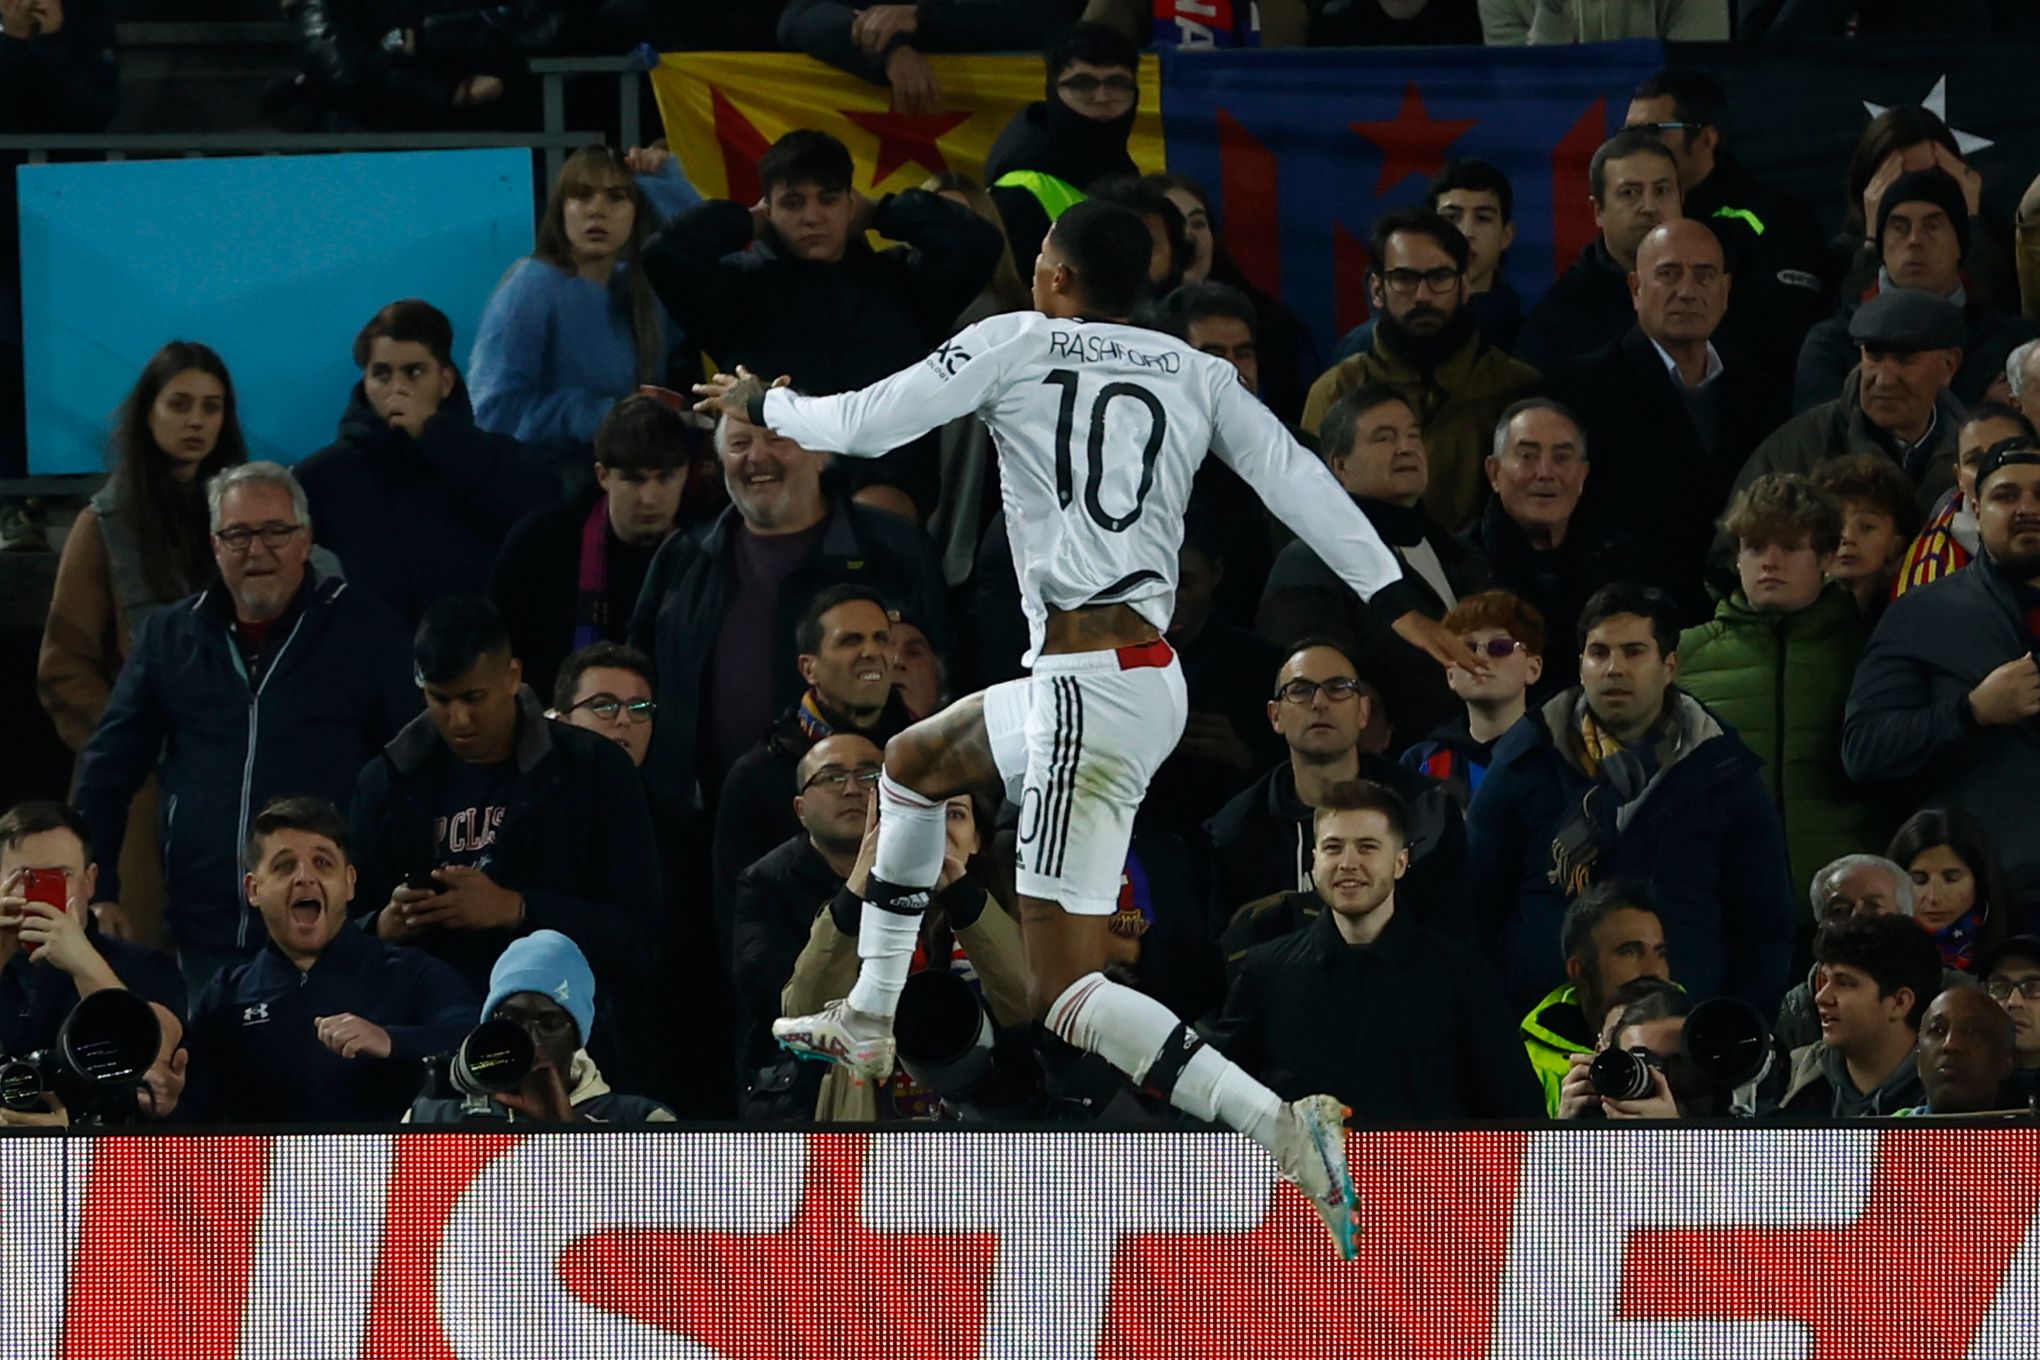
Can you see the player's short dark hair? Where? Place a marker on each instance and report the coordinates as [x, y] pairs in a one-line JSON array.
[[1341, 423], [1194, 302], [313, 815], [807, 633], [1628, 142], [1471, 174], [37, 815], [455, 633], [1696, 97], [805, 156], [596, 656], [1417, 222], [1094, 44], [1627, 597], [407, 321], [1893, 950], [1109, 249], [641, 433], [1586, 912], [1150, 201], [1364, 795]]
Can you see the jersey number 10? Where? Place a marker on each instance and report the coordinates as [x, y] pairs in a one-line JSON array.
[[1094, 468]]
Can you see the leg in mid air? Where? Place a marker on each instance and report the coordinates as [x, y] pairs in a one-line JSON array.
[[1097, 729], [926, 765]]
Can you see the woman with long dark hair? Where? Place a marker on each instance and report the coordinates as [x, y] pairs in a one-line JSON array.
[[573, 327], [1959, 894], [143, 542]]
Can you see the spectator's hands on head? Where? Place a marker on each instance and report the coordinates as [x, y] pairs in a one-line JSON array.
[[351, 1036], [471, 901], [647, 160], [1964, 174]]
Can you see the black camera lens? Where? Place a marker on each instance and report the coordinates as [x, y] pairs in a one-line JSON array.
[[1621, 1074], [494, 1057], [21, 1085]]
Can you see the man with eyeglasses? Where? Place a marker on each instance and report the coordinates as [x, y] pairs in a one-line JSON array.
[[1774, 244], [1428, 348], [1261, 840], [607, 689], [1053, 151], [481, 822], [833, 786], [845, 644], [2011, 976], [1625, 778], [280, 680]]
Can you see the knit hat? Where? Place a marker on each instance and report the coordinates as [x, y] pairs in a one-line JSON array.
[[1935, 186], [552, 965]]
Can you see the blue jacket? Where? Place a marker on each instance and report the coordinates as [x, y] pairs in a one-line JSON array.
[[1703, 839], [256, 1056], [336, 685]]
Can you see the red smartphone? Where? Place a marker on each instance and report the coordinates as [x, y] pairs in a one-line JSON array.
[[46, 885]]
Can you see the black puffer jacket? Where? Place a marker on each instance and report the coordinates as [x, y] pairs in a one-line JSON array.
[[415, 519]]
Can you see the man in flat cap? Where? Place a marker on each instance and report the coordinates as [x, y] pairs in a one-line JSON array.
[[1896, 402], [1922, 236], [1946, 700]]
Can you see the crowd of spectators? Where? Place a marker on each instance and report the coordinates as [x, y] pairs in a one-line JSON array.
[[536, 696]]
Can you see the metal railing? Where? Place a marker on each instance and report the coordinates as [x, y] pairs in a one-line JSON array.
[[553, 73], [119, 146]]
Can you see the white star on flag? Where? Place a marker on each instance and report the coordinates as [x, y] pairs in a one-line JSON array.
[[1936, 103]]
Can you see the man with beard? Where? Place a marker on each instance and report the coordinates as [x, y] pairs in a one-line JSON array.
[[1311, 1011], [1428, 349], [1946, 694], [1634, 185]]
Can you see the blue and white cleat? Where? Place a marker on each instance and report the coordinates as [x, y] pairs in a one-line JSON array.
[[860, 1044], [1310, 1149]]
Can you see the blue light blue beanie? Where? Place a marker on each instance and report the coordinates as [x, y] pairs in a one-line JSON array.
[[552, 965]]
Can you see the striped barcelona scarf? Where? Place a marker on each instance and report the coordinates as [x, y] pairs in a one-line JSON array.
[[1620, 774], [591, 603]]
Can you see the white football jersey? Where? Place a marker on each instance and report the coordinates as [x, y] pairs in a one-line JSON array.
[[1099, 428]]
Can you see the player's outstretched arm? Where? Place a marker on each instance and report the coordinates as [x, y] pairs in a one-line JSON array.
[[1300, 489], [956, 379]]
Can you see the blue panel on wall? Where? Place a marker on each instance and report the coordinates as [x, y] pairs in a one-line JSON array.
[[274, 261]]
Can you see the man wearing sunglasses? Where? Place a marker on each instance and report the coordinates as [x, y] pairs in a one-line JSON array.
[[277, 681], [482, 822], [1261, 841]]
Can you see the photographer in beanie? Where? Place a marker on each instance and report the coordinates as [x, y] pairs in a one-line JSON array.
[[1922, 237], [543, 982]]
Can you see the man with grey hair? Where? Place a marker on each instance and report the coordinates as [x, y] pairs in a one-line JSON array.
[[1538, 546], [278, 681], [718, 610], [2024, 383], [1854, 885]]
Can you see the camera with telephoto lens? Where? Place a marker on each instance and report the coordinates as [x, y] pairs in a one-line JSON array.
[[495, 1056], [947, 1044], [1723, 1045], [103, 1048]]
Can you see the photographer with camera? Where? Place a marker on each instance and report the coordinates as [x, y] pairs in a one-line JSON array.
[[328, 1024], [1609, 936], [543, 983], [1875, 977], [52, 954]]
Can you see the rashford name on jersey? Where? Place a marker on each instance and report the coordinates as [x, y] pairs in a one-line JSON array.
[[1091, 347]]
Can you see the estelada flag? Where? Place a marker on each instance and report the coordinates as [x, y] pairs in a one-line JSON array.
[[723, 109]]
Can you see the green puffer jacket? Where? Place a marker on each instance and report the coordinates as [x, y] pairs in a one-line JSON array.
[[1782, 681]]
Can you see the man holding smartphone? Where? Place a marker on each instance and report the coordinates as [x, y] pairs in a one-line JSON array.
[[52, 955]]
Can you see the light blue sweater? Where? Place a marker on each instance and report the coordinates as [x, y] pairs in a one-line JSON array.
[[554, 352]]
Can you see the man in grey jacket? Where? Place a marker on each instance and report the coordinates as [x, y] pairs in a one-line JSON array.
[[1947, 693]]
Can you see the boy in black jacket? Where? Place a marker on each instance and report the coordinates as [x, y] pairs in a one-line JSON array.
[[483, 821]]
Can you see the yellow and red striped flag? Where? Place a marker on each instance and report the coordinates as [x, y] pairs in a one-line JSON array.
[[723, 109]]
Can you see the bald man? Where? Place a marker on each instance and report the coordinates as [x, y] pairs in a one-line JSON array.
[[1967, 1052], [1669, 419]]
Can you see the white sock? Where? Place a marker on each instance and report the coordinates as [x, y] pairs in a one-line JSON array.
[[1129, 1029], [911, 842]]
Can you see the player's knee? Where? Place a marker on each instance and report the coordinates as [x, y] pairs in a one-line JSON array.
[[905, 763]]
